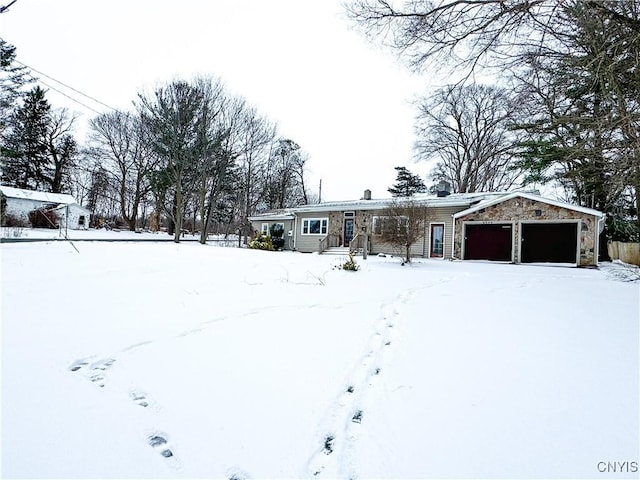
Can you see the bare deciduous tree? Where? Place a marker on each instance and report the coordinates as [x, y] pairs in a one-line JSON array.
[[457, 34], [120, 142], [401, 225], [466, 130]]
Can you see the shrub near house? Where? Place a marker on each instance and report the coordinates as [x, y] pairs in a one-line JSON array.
[[277, 234], [261, 241]]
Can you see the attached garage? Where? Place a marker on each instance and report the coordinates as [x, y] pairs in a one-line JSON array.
[[488, 242], [549, 242], [525, 228]]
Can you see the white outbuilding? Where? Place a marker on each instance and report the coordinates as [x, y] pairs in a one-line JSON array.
[[70, 214]]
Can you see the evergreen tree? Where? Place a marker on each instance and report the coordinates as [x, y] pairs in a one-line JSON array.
[[39, 150], [12, 79], [407, 184], [25, 149]]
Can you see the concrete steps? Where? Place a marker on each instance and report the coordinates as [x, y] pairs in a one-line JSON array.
[[337, 251]]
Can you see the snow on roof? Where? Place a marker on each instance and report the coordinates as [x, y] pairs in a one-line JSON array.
[[273, 215], [475, 201], [530, 196], [429, 200], [57, 198]]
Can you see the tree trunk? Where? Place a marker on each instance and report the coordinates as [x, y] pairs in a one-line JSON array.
[[178, 211]]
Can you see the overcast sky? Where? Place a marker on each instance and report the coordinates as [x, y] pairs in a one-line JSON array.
[[344, 101]]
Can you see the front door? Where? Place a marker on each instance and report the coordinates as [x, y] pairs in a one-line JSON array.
[[437, 240], [348, 231]]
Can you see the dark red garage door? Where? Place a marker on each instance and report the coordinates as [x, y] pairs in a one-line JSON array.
[[488, 242], [549, 242]]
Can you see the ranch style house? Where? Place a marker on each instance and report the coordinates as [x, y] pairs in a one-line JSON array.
[[516, 227]]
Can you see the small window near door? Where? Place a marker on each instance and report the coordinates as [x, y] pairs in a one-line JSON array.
[[437, 240], [265, 228]]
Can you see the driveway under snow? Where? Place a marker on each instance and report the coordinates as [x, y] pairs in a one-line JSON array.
[[190, 361]]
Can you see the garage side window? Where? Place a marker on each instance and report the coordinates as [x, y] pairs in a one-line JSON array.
[[315, 226]]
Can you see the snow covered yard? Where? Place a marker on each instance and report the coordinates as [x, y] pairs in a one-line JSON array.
[[158, 360]]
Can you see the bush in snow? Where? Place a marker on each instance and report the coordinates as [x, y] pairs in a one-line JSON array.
[[261, 241], [350, 264]]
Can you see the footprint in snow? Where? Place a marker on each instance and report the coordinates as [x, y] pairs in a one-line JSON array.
[[103, 364], [235, 473], [97, 379], [79, 364], [140, 399], [328, 444], [160, 443]]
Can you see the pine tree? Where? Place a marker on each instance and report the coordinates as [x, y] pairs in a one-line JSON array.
[[25, 149], [407, 184], [12, 78]]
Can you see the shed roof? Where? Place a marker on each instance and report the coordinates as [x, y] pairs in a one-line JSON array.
[[530, 196], [57, 198], [73, 205]]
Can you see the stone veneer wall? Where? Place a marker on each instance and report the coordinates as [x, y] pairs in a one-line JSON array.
[[336, 222], [523, 209]]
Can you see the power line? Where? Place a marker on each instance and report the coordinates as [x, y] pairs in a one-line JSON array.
[[67, 86], [69, 97]]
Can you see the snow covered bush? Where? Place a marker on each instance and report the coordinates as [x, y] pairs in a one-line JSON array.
[[261, 241]]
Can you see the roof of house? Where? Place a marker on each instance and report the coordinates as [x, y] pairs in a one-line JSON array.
[[57, 198], [429, 200], [273, 215], [474, 201], [503, 198]]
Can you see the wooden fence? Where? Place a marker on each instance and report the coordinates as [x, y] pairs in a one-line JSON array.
[[625, 252]]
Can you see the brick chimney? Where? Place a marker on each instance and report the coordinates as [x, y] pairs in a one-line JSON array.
[[367, 195]]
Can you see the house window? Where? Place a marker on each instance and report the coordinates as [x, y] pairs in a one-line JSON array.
[[315, 226], [81, 221], [382, 224], [265, 228]]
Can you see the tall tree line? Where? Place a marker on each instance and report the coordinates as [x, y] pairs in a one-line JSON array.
[[188, 152], [570, 67]]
